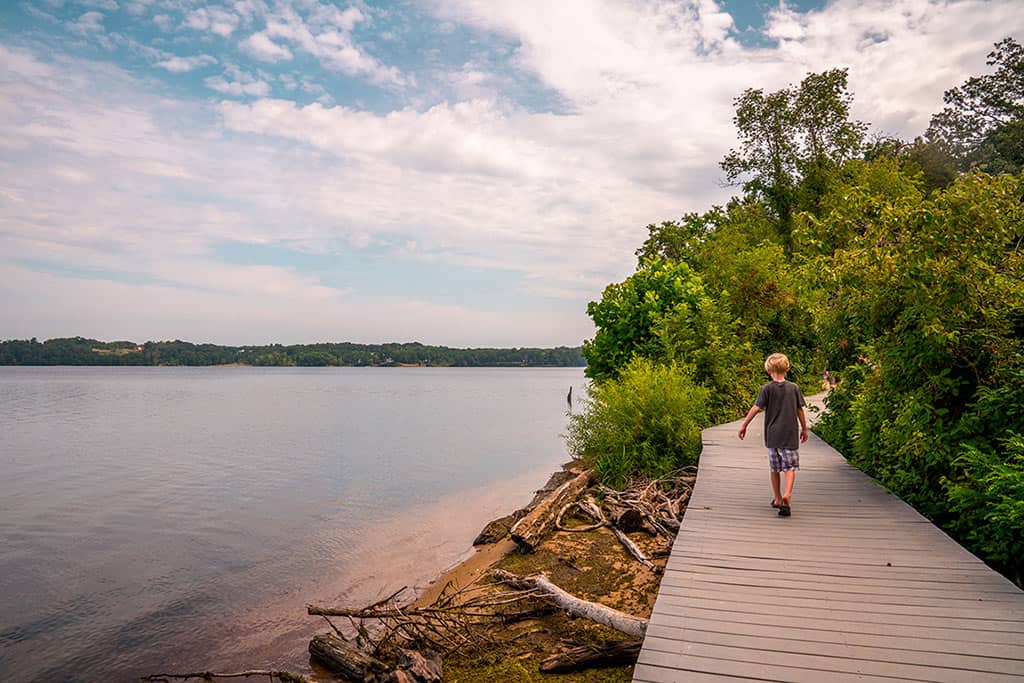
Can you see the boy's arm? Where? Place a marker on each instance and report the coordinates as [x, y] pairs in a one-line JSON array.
[[754, 410], [803, 424]]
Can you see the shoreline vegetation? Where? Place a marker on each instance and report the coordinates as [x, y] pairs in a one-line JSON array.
[[92, 352]]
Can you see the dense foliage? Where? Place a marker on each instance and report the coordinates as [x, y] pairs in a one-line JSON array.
[[81, 351], [897, 265]]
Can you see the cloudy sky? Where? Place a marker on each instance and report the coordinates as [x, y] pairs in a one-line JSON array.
[[460, 172]]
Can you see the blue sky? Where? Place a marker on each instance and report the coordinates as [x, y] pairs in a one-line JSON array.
[[462, 172]]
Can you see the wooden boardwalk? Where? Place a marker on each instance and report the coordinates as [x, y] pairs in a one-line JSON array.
[[855, 586]]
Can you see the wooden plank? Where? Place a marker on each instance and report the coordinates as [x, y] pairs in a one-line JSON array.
[[854, 589], [827, 667], [825, 613], [1012, 610], [692, 626], [664, 615], [767, 562], [939, 609]]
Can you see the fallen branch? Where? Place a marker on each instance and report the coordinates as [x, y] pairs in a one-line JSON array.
[[284, 676], [635, 551], [577, 607], [591, 656]]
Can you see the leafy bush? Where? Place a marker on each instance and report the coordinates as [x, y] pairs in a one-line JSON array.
[[988, 499], [629, 312], [646, 422]]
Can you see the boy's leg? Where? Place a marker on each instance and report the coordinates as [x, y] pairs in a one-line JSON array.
[[776, 483], [790, 480]]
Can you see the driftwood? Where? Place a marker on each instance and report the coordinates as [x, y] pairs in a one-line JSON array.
[[658, 502], [343, 658], [283, 676], [635, 551], [449, 624], [591, 656], [416, 667], [575, 607], [531, 529], [570, 505]]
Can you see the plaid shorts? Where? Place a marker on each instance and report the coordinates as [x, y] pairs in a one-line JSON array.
[[783, 459]]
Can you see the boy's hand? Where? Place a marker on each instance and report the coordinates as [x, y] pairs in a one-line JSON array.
[[742, 432], [803, 435]]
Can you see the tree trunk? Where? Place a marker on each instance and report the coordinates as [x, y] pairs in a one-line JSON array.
[[343, 658], [531, 529]]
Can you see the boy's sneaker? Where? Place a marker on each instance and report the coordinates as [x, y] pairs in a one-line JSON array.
[[784, 510]]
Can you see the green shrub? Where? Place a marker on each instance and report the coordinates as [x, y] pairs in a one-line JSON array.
[[647, 422], [988, 499]]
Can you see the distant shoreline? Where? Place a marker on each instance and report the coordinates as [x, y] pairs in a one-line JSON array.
[[80, 351]]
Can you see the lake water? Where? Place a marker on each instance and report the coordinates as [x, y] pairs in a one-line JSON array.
[[180, 519]]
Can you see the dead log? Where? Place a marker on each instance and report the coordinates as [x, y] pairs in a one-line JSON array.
[[573, 606], [531, 529], [343, 658], [613, 653]]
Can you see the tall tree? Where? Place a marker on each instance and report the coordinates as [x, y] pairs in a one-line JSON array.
[[790, 140], [983, 122]]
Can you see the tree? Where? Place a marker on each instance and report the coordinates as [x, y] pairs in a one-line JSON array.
[[629, 312], [678, 240], [789, 140], [983, 122]]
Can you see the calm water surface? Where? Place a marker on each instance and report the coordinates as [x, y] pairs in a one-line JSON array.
[[172, 519]]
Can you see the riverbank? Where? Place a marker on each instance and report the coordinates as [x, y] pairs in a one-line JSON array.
[[591, 565]]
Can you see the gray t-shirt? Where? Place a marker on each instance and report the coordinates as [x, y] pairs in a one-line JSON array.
[[780, 402]]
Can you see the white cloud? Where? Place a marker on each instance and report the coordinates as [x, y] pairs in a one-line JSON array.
[[164, 22], [248, 10], [88, 23], [138, 7], [184, 64], [328, 38], [108, 5], [238, 88], [263, 48], [214, 19]]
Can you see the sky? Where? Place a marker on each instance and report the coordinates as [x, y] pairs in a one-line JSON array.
[[456, 172]]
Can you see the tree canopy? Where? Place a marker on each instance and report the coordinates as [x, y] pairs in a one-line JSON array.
[[789, 140], [983, 122]]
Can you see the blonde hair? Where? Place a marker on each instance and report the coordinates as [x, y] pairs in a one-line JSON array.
[[777, 362]]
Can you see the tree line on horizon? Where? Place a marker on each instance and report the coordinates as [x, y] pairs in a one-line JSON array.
[[82, 351], [898, 265]]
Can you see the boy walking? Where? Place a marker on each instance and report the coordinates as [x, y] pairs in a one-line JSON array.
[[783, 407]]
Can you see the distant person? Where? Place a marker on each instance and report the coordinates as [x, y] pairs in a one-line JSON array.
[[783, 407]]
